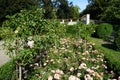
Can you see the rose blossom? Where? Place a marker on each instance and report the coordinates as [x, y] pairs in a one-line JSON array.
[[50, 78], [31, 44], [83, 65], [73, 78], [16, 31], [88, 77], [79, 74], [72, 69], [89, 70], [57, 76], [59, 71]]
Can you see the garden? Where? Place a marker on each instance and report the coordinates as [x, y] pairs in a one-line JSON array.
[[42, 49]]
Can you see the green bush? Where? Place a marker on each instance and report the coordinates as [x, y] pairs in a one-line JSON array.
[[81, 30], [26, 23], [67, 60], [104, 30], [117, 40], [27, 26]]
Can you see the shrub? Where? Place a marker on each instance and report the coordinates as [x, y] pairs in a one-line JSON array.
[[81, 30], [104, 30], [26, 23], [26, 27], [71, 59], [29, 36]]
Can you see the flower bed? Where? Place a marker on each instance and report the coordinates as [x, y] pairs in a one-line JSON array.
[[74, 59]]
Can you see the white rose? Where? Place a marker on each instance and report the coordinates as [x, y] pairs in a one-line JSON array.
[[50, 78], [16, 31], [31, 44], [57, 76]]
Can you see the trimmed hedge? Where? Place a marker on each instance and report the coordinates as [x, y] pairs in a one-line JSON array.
[[104, 30]]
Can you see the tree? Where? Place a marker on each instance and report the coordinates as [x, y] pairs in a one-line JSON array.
[[48, 7], [95, 8], [111, 13], [10, 7], [73, 12], [62, 8], [67, 9]]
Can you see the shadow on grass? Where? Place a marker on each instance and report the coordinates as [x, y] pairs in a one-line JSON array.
[[109, 46]]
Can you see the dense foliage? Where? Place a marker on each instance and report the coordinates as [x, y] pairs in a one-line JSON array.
[[60, 9], [104, 30], [48, 6], [74, 59], [44, 49], [81, 30], [27, 26], [106, 10], [112, 12], [10, 7], [117, 40], [21, 22], [52, 8], [67, 10], [95, 8]]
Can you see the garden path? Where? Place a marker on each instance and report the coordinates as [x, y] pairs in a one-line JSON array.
[[3, 57]]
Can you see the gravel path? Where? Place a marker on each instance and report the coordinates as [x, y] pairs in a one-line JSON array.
[[3, 57]]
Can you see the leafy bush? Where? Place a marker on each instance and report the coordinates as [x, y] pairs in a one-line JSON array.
[[104, 30], [71, 59], [81, 30], [25, 23], [28, 35]]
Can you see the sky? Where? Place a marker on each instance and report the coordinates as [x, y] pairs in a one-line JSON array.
[[81, 3]]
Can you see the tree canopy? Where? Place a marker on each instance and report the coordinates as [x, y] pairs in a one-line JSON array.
[[52, 8], [106, 10], [10, 7], [67, 10], [112, 12]]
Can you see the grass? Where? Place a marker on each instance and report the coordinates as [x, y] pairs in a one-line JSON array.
[[6, 71], [112, 56]]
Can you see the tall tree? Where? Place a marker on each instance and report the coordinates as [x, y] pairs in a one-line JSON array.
[[95, 8], [73, 12], [67, 10], [10, 7], [112, 12], [62, 8], [48, 7]]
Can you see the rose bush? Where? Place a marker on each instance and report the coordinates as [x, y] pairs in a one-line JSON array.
[[71, 62]]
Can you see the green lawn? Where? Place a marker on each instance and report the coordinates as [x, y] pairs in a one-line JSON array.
[[112, 56]]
